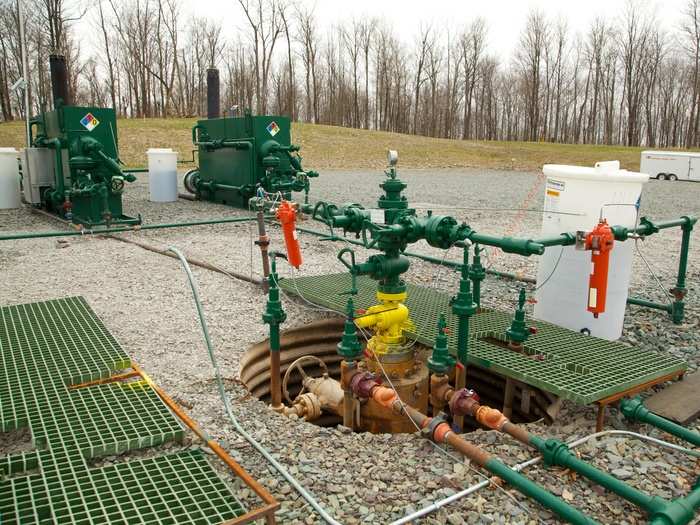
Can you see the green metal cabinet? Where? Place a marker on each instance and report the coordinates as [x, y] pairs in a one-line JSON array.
[[240, 155]]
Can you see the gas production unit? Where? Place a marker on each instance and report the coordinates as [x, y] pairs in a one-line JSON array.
[[394, 357]]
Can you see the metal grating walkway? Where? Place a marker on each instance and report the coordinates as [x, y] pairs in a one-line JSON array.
[[44, 349], [581, 368]]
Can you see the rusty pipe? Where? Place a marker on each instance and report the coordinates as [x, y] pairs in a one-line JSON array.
[[275, 379]]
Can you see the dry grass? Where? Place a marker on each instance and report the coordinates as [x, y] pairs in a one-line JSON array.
[[336, 147]]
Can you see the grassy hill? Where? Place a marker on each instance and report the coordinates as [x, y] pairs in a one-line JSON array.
[[326, 147]]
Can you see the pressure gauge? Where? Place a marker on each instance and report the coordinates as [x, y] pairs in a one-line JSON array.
[[392, 157]]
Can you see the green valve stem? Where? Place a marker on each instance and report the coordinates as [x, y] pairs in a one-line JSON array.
[[274, 314], [441, 362], [349, 346], [519, 331], [463, 306], [477, 273]]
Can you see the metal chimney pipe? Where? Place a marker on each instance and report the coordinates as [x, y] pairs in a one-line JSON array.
[[59, 80], [213, 97]]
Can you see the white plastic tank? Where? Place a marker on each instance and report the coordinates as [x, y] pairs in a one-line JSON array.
[[9, 179], [162, 174], [576, 197]]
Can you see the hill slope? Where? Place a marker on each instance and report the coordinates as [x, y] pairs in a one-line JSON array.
[[326, 147]]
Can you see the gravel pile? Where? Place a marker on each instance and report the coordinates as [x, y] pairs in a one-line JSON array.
[[144, 301]]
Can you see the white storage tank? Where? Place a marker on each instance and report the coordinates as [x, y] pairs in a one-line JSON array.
[[575, 199], [162, 174], [9, 179]]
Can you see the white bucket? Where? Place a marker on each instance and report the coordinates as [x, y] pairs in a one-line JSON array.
[[574, 198], [9, 179], [162, 174]]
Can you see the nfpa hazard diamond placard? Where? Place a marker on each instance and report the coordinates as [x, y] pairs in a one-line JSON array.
[[89, 122], [272, 128]]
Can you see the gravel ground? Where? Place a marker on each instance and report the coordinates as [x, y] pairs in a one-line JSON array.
[[144, 301]]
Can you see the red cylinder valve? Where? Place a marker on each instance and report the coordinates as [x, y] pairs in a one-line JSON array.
[[600, 241], [287, 216]]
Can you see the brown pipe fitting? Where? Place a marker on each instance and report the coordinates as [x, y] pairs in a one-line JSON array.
[[362, 383], [464, 402], [347, 371], [440, 391], [384, 396], [517, 432], [490, 417]]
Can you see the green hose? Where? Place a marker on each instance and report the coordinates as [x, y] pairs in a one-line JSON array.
[[227, 404]]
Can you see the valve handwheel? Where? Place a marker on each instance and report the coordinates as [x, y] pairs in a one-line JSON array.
[[297, 365]]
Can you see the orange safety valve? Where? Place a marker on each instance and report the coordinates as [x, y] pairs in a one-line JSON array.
[[287, 216], [600, 241]]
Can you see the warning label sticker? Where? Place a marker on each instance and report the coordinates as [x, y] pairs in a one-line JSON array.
[[272, 128], [89, 122], [552, 194], [555, 185]]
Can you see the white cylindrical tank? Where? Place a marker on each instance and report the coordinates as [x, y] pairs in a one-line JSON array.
[[576, 198], [162, 174], [9, 179]]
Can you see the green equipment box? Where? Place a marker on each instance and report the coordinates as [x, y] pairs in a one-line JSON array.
[[73, 169], [240, 157]]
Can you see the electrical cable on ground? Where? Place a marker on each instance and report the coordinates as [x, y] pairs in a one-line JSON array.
[[227, 404]]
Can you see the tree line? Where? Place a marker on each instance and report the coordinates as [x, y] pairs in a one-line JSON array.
[[626, 80]]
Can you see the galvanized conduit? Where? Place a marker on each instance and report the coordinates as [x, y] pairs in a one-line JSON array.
[[227, 404]]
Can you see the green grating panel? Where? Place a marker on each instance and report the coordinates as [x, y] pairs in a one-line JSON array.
[[581, 368], [47, 347]]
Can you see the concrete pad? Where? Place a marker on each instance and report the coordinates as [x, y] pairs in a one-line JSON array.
[[679, 402]]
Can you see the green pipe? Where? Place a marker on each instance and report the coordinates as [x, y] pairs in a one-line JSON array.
[[534, 491], [428, 258], [70, 233], [679, 511], [563, 239], [209, 185], [519, 246], [679, 291], [649, 304], [55, 144], [557, 453], [135, 170], [634, 410]]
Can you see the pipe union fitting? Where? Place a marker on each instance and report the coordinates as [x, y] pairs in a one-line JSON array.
[[362, 383], [464, 402]]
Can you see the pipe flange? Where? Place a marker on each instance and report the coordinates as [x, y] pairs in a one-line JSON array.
[[429, 431], [311, 405], [463, 401], [362, 383]]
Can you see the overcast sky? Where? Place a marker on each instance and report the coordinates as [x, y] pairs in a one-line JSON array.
[[505, 18]]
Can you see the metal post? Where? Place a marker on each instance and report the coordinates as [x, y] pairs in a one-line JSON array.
[[679, 291], [263, 241]]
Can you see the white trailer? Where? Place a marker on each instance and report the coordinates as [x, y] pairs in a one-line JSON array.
[[671, 165]]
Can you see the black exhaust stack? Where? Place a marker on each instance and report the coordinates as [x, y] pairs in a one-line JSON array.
[[213, 98], [59, 81]]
